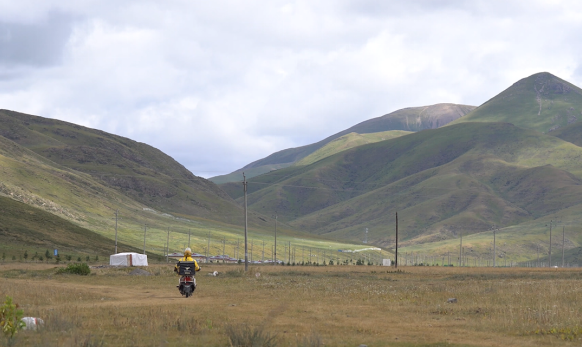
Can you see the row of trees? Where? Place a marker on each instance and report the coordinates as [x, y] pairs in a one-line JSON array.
[[47, 257]]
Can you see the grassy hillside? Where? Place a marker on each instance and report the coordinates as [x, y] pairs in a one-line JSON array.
[[348, 141], [89, 203], [571, 133], [461, 178], [407, 119], [541, 102], [140, 171], [23, 227]]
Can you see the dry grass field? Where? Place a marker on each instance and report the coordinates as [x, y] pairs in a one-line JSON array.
[[300, 306]]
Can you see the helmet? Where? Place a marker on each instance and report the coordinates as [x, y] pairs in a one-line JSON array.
[[187, 252]]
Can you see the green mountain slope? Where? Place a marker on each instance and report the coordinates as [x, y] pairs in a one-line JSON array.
[[143, 173], [23, 227], [464, 177], [89, 202], [571, 133], [348, 141], [542, 102], [407, 119]]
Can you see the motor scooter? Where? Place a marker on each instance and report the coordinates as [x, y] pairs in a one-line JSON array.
[[187, 270]]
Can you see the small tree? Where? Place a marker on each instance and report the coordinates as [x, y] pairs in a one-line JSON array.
[[78, 258], [3, 256], [96, 258], [25, 255], [58, 258], [68, 257], [10, 318], [87, 258]]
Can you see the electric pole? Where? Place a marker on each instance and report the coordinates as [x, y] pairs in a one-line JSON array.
[[246, 224], [188, 238], [461, 249], [208, 247], [494, 244], [168, 245], [144, 237], [563, 243], [116, 213], [396, 254], [550, 263], [275, 238]]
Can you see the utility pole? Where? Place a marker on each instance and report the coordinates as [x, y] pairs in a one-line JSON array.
[[188, 238], [275, 238], [494, 251], [289, 252], [246, 224], [550, 263], [145, 226], [168, 245], [116, 213], [460, 249], [563, 243], [396, 253], [208, 247]]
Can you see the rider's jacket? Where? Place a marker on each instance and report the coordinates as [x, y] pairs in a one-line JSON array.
[[196, 267]]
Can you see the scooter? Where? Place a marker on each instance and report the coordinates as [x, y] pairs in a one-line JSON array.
[[186, 270]]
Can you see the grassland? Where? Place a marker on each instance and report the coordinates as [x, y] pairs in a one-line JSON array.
[[302, 306]]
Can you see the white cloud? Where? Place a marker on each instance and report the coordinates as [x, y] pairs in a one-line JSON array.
[[220, 84]]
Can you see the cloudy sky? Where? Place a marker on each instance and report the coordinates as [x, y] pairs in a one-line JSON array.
[[219, 84]]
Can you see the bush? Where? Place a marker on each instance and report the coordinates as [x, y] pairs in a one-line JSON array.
[[10, 318], [246, 336], [75, 269]]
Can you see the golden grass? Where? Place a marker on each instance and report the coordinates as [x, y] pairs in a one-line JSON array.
[[337, 305]]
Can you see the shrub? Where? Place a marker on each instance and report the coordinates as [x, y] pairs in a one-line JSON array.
[[10, 318], [75, 269], [245, 336]]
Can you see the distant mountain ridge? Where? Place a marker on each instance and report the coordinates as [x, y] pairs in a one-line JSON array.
[[542, 102], [407, 119], [460, 178]]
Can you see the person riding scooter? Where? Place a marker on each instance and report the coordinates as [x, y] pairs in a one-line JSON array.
[[186, 258]]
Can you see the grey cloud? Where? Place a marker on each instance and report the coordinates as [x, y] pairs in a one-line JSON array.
[[36, 44], [217, 85]]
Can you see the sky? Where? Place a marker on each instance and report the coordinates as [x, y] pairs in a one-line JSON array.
[[219, 84]]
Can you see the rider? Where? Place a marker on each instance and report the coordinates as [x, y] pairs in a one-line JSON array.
[[187, 257]]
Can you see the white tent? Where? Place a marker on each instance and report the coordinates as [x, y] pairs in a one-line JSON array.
[[386, 262], [128, 259]]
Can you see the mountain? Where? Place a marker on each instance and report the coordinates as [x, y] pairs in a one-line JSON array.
[[141, 172], [542, 102], [407, 119], [459, 178], [348, 141], [66, 183]]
